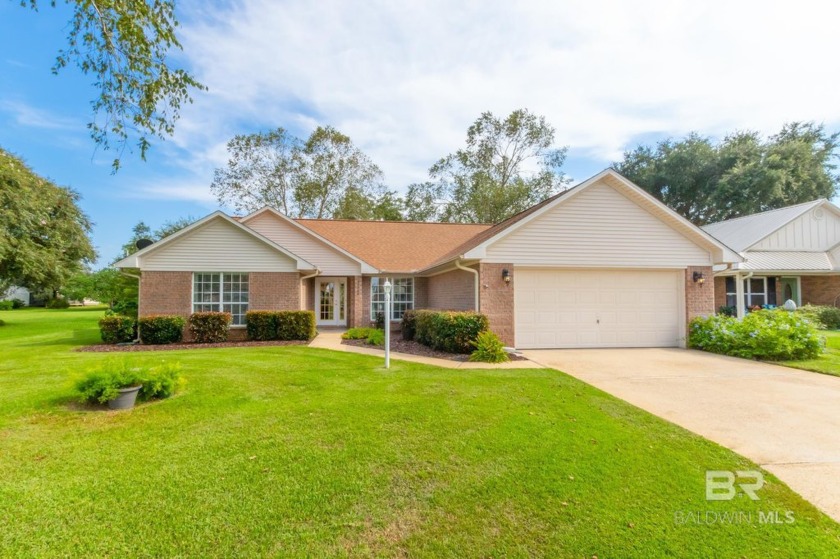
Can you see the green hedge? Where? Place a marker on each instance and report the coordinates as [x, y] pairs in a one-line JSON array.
[[409, 324], [775, 335], [449, 331], [58, 303], [825, 317], [209, 327], [116, 329], [161, 329], [280, 325]]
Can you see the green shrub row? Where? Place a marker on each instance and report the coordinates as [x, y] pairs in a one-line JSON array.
[[280, 325], [449, 331], [102, 384], [775, 335], [58, 303], [12, 304], [115, 329], [161, 329], [825, 317], [209, 327], [6, 306]]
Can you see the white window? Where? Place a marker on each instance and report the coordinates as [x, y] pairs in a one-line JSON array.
[[757, 292], [221, 292], [402, 296]]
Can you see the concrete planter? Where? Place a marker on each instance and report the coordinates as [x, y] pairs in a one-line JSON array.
[[126, 399]]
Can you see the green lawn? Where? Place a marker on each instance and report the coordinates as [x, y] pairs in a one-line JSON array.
[[291, 451], [828, 362]]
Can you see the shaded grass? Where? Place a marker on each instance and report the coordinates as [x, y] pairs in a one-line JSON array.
[[829, 362], [292, 451]]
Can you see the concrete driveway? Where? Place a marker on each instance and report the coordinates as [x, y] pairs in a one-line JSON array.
[[786, 420]]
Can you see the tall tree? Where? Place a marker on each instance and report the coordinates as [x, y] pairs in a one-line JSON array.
[[743, 174], [43, 233], [507, 166], [124, 45], [325, 176]]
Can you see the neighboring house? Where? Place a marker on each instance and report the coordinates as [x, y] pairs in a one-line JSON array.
[[603, 264], [790, 253], [16, 292]]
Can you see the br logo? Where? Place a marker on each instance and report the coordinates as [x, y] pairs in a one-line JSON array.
[[720, 484]]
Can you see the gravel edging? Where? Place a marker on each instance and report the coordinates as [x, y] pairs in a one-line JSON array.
[[113, 348], [412, 347]]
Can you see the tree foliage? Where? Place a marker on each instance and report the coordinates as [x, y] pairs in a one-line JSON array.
[[43, 233], [507, 166], [124, 45], [326, 176], [708, 182], [143, 231]]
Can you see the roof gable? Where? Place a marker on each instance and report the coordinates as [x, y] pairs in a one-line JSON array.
[[742, 233], [330, 258], [137, 259], [477, 248]]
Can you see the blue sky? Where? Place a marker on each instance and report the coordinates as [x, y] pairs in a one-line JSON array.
[[404, 80]]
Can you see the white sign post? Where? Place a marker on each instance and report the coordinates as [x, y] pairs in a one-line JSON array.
[[387, 288]]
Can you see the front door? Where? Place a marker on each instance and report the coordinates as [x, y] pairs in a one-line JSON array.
[[331, 301], [790, 290]]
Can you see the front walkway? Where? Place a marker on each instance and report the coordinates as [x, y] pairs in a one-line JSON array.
[[784, 419], [331, 339]]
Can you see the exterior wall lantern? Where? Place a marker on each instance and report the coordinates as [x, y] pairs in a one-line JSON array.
[[506, 275], [387, 289], [698, 278]]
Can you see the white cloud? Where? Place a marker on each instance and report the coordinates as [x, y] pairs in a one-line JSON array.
[[405, 79], [29, 116]]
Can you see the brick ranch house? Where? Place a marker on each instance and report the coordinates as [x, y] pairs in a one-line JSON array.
[[603, 264], [789, 253]]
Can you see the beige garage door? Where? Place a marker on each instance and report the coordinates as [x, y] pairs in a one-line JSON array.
[[597, 308]]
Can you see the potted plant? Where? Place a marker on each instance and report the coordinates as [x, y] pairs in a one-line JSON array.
[[114, 383]]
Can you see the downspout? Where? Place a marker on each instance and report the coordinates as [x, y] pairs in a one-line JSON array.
[[310, 276], [461, 267]]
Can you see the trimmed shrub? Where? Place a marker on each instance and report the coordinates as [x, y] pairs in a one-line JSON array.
[[379, 321], [2, 322], [489, 349], [449, 331], [209, 327], [116, 329], [376, 337], [357, 333], [6, 305], [295, 325], [58, 303], [261, 325], [161, 329], [18, 303], [409, 324], [774, 335]]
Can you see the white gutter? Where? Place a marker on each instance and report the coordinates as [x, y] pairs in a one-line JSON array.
[[461, 267], [310, 276]]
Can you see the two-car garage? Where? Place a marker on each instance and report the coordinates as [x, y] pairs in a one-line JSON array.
[[558, 308]]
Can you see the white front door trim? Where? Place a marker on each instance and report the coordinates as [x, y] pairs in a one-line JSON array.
[[330, 301]]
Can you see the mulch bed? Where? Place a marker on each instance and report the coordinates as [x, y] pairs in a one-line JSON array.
[[109, 348], [400, 345]]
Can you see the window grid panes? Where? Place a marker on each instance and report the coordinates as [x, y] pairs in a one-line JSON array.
[[755, 292], [402, 296], [214, 292]]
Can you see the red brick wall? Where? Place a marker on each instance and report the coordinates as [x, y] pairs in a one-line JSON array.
[[366, 320], [355, 313], [274, 291], [165, 293], [700, 298], [497, 300], [720, 292], [820, 290], [421, 293], [453, 291]]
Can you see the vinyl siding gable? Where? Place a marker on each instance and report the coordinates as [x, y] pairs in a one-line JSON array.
[[598, 227], [330, 261], [814, 231], [217, 246]]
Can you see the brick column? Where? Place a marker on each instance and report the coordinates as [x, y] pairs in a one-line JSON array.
[[355, 302], [720, 292], [496, 300], [700, 298]]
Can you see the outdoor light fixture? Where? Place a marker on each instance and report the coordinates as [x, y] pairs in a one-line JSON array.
[[698, 278], [506, 275], [387, 289]]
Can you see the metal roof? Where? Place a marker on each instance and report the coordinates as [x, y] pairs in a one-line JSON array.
[[743, 232], [787, 260]]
